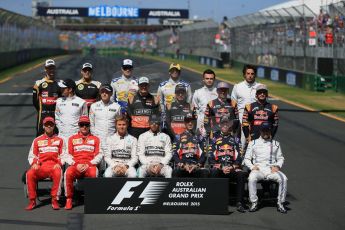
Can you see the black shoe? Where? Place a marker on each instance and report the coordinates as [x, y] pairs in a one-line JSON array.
[[240, 207], [253, 207], [281, 208]]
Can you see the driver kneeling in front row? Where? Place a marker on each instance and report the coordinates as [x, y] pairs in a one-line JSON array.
[[121, 151], [83, 157], [154, 151], [189, 151]]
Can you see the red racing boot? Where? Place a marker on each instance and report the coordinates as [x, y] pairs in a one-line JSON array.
[[31, 205], [55, 204], [68, 205]]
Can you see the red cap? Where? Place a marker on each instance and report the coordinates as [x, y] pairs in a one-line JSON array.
[[84, 119], [47, 119]]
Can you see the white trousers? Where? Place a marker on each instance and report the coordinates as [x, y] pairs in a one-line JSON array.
[[264, 173], [130, 173]]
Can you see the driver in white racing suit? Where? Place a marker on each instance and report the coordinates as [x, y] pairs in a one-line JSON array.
[[154, 151]]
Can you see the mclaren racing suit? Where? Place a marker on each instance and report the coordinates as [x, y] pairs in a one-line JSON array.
[[255, 114], [189, 149], [140, 108], [102, 119], [81, 150], [264, 154], [154, 148], [45, 94], [200, 100], [124, 87], [67, 113], [87, 91], [121, 150], [46, 152]]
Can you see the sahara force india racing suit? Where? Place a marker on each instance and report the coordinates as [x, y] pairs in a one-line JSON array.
[[124, 87], [200, 100], [45, 94], [87, 91], [102, 119], [46, 152], [67, 113], [189, 149], [81, 150], [154, 148], [121, 150], [264, 154], [166, 94]]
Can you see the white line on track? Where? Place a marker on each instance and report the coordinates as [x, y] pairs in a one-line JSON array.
[[15, 94]]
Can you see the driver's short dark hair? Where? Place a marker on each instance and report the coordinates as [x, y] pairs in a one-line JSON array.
[[209, 71], [245, 67]]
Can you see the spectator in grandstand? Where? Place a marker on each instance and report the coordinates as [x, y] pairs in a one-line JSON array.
[[87, 88], [189, 151], [244, 92], [68, 109], [103, 114], [45, 93], [265, 159], [203, 95], [125, 85], [166, 89], [140, 107], [176, 112], [154, 151], [45, 159], [225, 159], [83, 157], [257, 113], [219, 107], [121, 151]]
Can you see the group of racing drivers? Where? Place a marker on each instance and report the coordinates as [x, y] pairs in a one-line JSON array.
[[136, 134]]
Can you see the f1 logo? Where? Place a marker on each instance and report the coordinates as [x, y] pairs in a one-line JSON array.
[[150, 194]]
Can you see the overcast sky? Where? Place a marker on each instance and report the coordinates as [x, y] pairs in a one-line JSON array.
[[202, 9]]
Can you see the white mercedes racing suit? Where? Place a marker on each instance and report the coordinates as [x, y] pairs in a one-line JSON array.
[[265, 154], [123, 87], [243, 93], [67, 113], [166, 94], [154, 149], [200, 100], [102, 119], [121, 150]]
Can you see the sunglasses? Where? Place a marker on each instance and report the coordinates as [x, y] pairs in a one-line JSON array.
[[127, 67], [49, 124], [84, 124], [261, 92]]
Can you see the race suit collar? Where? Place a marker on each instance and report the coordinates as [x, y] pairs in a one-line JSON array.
[[48, 137], [209, 89], [121, 137], [249, 84], [173, 81], [127, 78], [106, 104], [84, 136]]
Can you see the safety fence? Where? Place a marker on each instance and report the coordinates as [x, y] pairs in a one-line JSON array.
[[23, 39]]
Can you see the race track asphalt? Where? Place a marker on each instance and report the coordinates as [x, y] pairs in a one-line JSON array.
[[313, 145]]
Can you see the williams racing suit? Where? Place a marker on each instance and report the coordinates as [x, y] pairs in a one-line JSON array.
[[264, 154], [154, 148], [121, 150], [87, 91], [45, 94], [189, 149], [81, 150], [224, 151], [255, 114], [67, 113], [200, 100], [46, 152], [124, 87], [140, 108]]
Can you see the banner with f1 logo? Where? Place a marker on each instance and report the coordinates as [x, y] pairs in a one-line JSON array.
[[156, 195]]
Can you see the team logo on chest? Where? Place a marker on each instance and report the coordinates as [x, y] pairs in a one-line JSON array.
[[80, 87]]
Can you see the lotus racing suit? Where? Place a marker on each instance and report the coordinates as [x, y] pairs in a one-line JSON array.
[[87, 91]]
